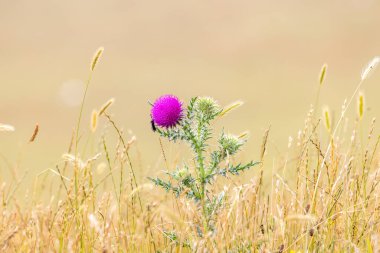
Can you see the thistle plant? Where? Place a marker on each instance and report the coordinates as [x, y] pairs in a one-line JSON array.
[[194, 126]]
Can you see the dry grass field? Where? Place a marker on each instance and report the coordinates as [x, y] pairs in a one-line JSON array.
[[244, 126], [323, 197]]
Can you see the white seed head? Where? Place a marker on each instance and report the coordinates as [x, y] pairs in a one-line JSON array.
[[370, 66], [6, 128], [290, 141]]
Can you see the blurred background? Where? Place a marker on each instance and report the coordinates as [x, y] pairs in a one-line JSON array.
[[265, 53]]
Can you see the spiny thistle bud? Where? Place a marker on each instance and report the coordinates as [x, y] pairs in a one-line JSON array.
[[230, 143], [181, 173], [207, 106]]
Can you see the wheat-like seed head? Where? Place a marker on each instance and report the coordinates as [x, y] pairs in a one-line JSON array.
[[326, 116], [94, 120], [244, 135], [105, 106], [361, 105], [96, 57], [322, 75], [231, 107]]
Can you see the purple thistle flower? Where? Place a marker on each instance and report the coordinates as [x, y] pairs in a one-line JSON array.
[[167, 111]]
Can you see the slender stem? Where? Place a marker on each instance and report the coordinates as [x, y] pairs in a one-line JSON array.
[[81, 112], [77, 139], [76, 169]]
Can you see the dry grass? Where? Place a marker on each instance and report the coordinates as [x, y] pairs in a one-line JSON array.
[[323, 197]]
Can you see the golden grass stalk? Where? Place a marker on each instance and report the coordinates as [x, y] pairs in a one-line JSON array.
[[35, 132], [322, 74], [93, 64], [94, 120], [96, 57], [6, 128], [105, 106], [264, 144]]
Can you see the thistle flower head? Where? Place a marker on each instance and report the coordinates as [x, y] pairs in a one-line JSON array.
[[207, 106], [167, 111]]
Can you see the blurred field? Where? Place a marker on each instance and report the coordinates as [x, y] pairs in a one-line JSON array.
[[265, 53]]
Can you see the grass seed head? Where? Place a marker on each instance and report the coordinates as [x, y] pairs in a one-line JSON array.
[[6, 128], [326, 116], [35, 132], [105, 106], [244, 135], [96, 57], [361, 105], [94, 120], [370, 66], [322, 74], [231, 107]]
